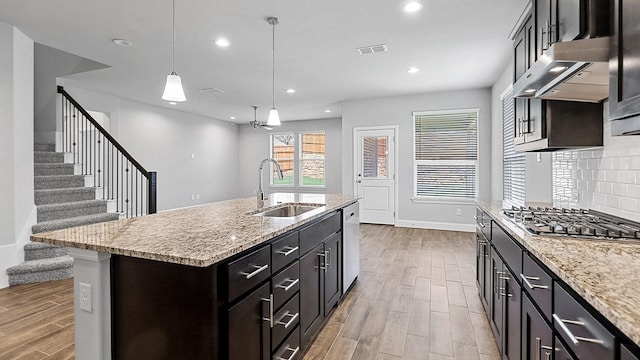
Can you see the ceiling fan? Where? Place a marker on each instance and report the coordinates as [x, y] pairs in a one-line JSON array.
[[257, 124]]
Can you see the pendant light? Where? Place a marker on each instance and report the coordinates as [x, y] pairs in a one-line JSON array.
[[274, 118], [173, 89]]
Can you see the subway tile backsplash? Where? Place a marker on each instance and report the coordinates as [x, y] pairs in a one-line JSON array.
[[606, 179]]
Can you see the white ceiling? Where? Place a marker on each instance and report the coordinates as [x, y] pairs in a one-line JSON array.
[[457, 44]]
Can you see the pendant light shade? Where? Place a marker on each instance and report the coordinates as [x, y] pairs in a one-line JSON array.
[[173, 88], [274, 118]]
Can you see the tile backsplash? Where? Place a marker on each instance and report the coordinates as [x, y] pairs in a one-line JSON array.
[[606, 179]]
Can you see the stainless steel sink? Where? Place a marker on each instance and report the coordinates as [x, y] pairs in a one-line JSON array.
[[288, 210]]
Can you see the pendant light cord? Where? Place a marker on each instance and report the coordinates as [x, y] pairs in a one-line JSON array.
[[173, 40], [273, 61]]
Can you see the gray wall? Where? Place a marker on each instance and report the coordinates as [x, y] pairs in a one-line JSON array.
[[254, 146], [397, 111], [17, 210], [50, 63], [164, 140]]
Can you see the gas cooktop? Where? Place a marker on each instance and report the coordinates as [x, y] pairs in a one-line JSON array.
[[573, 222]]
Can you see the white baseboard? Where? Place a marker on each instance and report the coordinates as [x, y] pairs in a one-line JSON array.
[[436, 225], [8, 258]]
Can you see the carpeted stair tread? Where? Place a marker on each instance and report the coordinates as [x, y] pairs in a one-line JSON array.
[[48, 157], [33, 245], [73, 222], [71, 209], [64, 195], [58, 181], [57, 263], [43, 169], [37, 250], [44, 147]]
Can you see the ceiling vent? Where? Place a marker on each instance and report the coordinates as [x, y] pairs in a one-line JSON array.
[[372, 49]]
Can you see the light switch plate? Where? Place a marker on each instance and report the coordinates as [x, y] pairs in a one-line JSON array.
[[86, 303]]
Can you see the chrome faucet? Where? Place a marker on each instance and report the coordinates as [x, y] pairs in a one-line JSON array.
[[260, 195]]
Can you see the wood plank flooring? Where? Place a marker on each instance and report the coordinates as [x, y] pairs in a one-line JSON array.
[[415, 299]]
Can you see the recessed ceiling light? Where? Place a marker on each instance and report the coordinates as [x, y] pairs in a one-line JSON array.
[[412, 7], [290, 91], [529, 91], [122, 42], [222, 42], [413, 70], [172, 102], [558, 69], [232, 117], [327, 111]]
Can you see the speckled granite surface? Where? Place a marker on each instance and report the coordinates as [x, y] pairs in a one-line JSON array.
[[196, 236], [606, 273]]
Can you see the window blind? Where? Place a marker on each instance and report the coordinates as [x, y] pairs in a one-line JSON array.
[[513, 180], [445, 154]]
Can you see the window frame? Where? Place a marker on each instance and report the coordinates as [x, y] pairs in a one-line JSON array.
[[272, 167], [445, 199], [300, 159], [297, 161]]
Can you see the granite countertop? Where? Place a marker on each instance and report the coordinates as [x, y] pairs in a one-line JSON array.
[[606, 273], [196, 236]]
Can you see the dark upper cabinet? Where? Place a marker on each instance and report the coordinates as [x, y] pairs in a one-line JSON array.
[[520, 53], [544, 24], [537, 336], [624, 68]]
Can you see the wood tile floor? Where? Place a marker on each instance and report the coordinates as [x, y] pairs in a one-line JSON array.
[[415, 299]]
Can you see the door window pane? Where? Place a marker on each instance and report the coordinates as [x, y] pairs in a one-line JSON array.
[[282, 149], [312, 159], [374, 156]]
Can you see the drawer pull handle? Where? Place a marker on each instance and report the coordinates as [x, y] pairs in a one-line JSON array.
[[529, 284], [288, 287], [288, 250], [475, 217], [483, 225], [574, 339], [258, 270], [270, 318], [288, 323], [293, 354]]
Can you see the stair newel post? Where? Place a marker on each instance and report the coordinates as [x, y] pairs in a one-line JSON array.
[[152, 192]]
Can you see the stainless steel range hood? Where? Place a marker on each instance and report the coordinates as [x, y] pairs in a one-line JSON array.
[[575, 70]]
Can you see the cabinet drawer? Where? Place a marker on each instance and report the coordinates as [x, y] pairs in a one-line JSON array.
[[285, 284], [248, 271], [284, 321], [585, 335], [284, 251], [537, 282], [626, 354], [507, 248], [290, 348], [313, 234]]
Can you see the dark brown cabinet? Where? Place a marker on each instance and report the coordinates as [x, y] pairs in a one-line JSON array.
[[537, 336], [561, 352], [311, 290], [496, 313], [505, 308], [483, 270], [624, 68], [249, 326], [332, 275], [626, 354]]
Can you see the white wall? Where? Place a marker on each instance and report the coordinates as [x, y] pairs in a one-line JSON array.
[[397, 111], [164, 140], [49, 64], [17, 210], [254, 146], [605, 179]]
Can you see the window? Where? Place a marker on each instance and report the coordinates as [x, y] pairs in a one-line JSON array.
[[513, 163], [445, 154], [302, 161]]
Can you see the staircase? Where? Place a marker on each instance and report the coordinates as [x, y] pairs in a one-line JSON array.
[[63, 200]]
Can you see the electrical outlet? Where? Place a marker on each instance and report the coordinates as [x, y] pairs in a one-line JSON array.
[[86, 297], [193, 197], [193, 156], [197, 196], [458, 212]]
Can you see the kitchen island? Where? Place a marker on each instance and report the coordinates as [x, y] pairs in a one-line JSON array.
[[602, 274], [179, 283]]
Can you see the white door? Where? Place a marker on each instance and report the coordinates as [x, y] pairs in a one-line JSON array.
[[375, 174]]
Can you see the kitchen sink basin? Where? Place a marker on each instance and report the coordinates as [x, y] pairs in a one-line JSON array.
[[289, 210]]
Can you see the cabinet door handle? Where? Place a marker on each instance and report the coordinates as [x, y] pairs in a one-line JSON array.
[[291, 284], [270, 318], [574, 339], [538, 348], [327, 258], [324, 261], [293, 354], [530, 285], [288, 250], [258, 270], [288, 323]]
